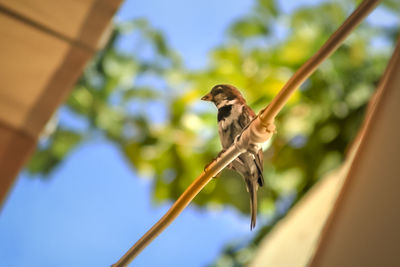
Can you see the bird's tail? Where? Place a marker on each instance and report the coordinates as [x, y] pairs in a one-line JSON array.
[[253, 205]]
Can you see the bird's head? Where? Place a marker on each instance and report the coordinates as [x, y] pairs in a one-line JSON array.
[[224, 93]]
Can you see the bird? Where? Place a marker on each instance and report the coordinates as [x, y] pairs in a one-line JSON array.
[[233, 116]]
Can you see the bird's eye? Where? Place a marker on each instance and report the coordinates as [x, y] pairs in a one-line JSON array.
[[218, 91]]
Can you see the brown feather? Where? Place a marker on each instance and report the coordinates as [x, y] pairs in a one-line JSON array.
[[233, 117]]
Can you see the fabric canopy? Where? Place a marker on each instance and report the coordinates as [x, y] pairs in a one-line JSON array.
[[351, 217], [45, 45]]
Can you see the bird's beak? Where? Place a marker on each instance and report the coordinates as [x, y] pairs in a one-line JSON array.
[[207, 97]]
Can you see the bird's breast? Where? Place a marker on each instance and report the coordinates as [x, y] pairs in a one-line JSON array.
[[228, 126]]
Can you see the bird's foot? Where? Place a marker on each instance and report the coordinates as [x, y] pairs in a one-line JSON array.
[[220, 153], [206, 168]]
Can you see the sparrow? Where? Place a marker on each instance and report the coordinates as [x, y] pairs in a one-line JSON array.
[[233, 116]]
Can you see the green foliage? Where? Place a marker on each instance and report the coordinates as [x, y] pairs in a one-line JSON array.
[[174, 142], [50, 154], [248, 27]]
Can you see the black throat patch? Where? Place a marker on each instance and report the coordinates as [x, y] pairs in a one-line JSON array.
[[224, 112]]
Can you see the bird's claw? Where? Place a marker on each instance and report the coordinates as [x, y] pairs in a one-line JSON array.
[[216, 158], [220, 153]]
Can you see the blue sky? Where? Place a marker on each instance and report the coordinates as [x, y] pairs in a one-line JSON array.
[[93, 207]]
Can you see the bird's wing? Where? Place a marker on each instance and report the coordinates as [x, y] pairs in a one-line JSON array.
[[259, 163], [245, 118]]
